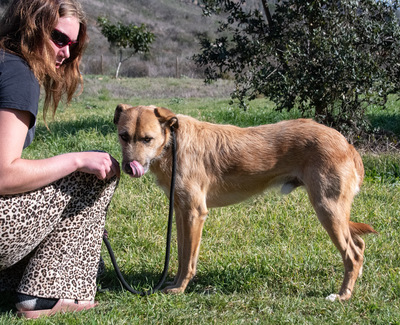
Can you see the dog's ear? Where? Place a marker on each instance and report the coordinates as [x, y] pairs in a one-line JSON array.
[[120, 108], [166, 117]]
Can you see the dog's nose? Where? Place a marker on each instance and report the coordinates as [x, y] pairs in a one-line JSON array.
[[127, 169]]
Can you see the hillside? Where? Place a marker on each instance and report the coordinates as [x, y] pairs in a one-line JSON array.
[[174, 22]]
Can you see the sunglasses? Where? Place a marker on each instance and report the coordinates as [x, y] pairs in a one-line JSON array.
[[60, 39]]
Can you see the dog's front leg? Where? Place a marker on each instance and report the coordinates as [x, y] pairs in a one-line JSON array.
[[189, 222]]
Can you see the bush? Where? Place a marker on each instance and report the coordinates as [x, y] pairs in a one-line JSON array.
[[328, 58]]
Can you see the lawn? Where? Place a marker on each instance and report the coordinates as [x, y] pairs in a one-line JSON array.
[[266, 260]]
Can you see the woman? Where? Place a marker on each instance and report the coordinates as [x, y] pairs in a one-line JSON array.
[[52, 211]]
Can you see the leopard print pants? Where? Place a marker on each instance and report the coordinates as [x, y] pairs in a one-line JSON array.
[[50, 238]]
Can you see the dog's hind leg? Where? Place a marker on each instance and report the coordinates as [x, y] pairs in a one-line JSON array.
[[332, 198], [335, 220], [190, 218]]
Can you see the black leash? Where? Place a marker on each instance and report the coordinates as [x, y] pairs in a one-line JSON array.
[[168, 245]]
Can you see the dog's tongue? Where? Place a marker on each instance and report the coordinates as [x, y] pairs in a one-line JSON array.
[[137, 169]]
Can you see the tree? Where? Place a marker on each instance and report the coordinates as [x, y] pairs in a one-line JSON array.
[[327, 58], [129, 39]]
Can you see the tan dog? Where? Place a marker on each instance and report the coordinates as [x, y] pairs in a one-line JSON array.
[[219, 165]]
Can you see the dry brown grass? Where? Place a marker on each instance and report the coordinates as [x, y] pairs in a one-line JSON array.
[[175, 24], [150, 88]]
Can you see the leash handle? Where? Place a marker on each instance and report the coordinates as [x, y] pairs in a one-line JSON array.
[[169, 230]]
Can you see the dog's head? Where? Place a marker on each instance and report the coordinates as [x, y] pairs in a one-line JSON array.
[[143, 132]]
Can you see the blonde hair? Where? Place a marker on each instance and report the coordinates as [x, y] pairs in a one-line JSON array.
[[25, 31]]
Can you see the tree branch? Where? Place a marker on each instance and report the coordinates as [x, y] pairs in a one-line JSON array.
[[267, 12]]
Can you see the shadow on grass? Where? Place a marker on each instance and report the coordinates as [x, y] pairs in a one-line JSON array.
[[389, 123], [139, 281], [102, 125], [232, 281]]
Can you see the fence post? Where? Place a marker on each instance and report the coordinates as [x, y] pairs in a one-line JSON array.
[[177, 68]]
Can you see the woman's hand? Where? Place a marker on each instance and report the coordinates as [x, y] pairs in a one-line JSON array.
[[101, 164]]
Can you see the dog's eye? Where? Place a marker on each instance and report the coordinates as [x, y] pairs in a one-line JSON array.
[[147, 139], [124, 137]]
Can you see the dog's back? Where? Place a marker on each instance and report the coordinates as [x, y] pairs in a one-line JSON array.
[[235, 163]]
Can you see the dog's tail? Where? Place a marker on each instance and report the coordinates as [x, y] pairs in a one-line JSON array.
[[357, 228]]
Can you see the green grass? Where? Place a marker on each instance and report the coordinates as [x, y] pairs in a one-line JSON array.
[[266, 260]]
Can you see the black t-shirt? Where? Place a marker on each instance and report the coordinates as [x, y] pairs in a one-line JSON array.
[[19, 89]]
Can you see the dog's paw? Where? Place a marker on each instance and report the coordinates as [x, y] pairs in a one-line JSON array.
[[173, 290], [332, 297], [342, 296]]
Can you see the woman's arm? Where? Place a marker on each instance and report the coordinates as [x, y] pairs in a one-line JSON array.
[[19, 175]]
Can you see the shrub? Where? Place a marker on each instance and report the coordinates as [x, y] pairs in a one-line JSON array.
[[328, 58]]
